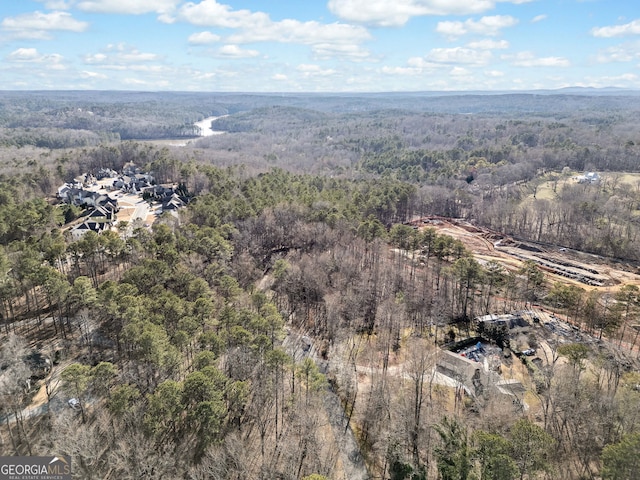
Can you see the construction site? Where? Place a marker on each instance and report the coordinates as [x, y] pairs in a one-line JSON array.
[[476, 367], [557, 262]]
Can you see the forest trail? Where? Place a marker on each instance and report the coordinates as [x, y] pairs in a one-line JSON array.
[[350, 456]]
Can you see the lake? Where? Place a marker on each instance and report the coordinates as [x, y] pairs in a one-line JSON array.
[[205, 127]]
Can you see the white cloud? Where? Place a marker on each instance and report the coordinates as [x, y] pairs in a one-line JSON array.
[[421, 63], [459, 55], [308, 33], [37, 25], [625, 52], [626, 80], [120, 54], [378, 12], [528, 59], [385, 13], [152, 69], [198, 75], [489, 44], [490, 25], [29, 35], [95, 58], [56, 4], [631, 28], [459, 72], [133, 7], [202, 38], [410, 71], [92, 75], [258, 27], [315, 70], [31, 55], [538, 18], [24, 55], [234, 51], [279, 77], [494, 73], [157, 83], [210, 13], [354, 53], [334, 40], [624, 77], [52, 61], [134, 81]]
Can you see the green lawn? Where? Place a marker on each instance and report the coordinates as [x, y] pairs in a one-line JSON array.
[[545, 189]]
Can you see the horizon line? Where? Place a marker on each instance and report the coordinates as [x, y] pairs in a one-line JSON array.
[[572, 89]]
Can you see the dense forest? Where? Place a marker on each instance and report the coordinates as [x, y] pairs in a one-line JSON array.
[[286, 322]]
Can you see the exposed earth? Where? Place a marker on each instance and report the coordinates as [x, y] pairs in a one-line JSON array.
[[559, 264]]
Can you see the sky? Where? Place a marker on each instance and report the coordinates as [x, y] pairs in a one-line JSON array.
[[318, 45]]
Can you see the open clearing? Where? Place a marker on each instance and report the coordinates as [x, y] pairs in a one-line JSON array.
[[559, 264]]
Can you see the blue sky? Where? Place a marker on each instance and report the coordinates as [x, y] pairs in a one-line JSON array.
[[314, 45]]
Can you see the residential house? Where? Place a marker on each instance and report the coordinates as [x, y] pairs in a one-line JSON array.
[[80, 197], [89, 180], [63, 191], [133, 183], [470, 375], [508, 321], [106, 173], [109, 203], [143, 180], [130, 169], [173, 203], [102, 214], [78, 231], [159, 192], [589, 177], [99, 219]]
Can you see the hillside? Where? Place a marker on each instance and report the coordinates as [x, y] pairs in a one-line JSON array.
[[351, 286]]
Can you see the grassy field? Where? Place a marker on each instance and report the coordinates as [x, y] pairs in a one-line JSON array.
[[552, 182], [545, 190], [632, 179]]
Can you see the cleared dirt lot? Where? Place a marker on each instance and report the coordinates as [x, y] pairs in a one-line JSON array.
[[559, 264]]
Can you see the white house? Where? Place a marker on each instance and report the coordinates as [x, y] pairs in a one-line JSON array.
[[590, 177]]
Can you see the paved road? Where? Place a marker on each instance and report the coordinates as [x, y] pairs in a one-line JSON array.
[[141, 211]]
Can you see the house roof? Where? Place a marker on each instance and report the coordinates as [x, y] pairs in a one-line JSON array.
[[508, 319], [90, 225], [173, 203], [101, 212], [96, 226]]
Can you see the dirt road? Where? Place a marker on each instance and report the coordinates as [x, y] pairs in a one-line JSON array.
[[353, 466]]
